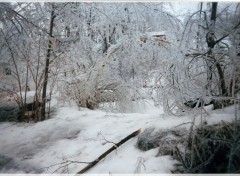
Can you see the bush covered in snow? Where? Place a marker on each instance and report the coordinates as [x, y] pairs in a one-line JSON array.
[[91, 94], [99, 86], [166, 140]]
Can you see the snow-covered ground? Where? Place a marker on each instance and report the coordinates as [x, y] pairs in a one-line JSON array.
[[80, 135]]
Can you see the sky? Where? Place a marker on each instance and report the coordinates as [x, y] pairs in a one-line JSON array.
[[182, 8]]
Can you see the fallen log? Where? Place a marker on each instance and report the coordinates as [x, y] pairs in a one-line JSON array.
[[93, 163]]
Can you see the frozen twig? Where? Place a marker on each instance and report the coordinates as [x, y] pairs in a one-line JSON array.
[[106, 141], [64, 165]]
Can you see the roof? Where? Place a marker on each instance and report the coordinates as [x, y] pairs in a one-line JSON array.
[[150, 34], [4, 64]]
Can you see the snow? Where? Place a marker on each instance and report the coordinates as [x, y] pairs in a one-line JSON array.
[[80, 135]]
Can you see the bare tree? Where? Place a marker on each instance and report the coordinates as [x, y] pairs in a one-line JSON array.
[[49, 50], [218, 29]]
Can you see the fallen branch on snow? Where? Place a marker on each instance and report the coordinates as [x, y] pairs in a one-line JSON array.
[[90, 165]]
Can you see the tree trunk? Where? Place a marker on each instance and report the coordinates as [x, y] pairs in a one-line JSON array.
[[49, 49], [214, 11], [221, 79], [211, 44]]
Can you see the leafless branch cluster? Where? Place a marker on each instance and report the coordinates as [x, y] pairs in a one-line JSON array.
[[211, 149], [63, 166]]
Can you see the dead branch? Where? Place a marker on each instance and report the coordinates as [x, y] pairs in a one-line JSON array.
[[90, 165]]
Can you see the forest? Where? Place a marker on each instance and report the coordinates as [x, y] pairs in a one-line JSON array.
[[119, 87]]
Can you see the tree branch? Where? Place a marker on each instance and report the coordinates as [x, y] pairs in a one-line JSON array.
[[89, 166]]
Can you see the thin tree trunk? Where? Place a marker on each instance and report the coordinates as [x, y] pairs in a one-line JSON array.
[[49, 49], [214, 11], [211, 44], [36, 96], [25, 96], [211, 41], [219, 68], [221, 79]]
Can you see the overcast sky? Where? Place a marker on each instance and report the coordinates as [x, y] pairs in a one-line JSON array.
[[182, 8]]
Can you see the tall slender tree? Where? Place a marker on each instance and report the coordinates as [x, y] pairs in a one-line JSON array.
[[48, 55]]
